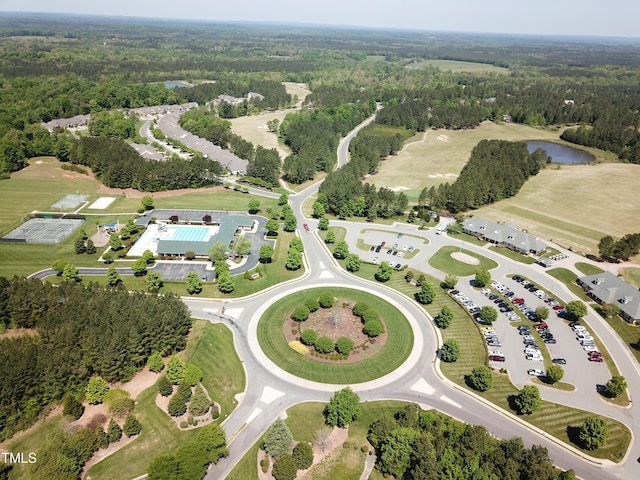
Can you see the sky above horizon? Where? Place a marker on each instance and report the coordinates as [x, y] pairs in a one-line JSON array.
[[617, 18]]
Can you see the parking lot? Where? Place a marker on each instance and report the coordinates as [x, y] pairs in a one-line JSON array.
[[514, 343], [388, 247]]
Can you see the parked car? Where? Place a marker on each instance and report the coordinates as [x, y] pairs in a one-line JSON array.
[[596, 359], [559, 361], [372, 248], [383, 244], [536, 372], [558, 307], [378, 248], [395, 245], [497, 358]]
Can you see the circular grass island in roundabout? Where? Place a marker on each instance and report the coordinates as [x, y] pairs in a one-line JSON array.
[[276, 323]]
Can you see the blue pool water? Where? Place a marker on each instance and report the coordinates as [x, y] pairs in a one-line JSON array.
[[190, 234]]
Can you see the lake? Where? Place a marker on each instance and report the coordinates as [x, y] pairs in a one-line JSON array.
[[175, 85], [561, 153]]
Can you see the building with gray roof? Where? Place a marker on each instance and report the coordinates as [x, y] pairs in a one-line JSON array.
[[507, 235], [607, 288]]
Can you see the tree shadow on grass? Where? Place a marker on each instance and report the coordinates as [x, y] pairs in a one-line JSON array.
[[573, 432]]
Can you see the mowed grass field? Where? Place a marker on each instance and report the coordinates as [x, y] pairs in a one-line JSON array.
[[456, 66], [575, 206], [254, 128], [439, 155]]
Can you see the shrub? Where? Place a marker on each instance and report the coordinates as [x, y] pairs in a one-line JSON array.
[[72, 407], [369, 316], [114, 432], [165, 388], [302, 455], [177, 406], [264, 464], [312, 304], [96, 390], [131, 426], [183, 424], [155, 362], [299, 347], [373, 328], [285, 468], [192, 375], [326, 300], [200, 403], [481, 378], [344, 345], [175, 370], [119, 402], [324, 345], [450, 351], [359, 309], [309, 337], [300, 314]]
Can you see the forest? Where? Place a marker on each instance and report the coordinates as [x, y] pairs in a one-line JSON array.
[[60, 66], [496, 170], [427, 445], [72, 331]]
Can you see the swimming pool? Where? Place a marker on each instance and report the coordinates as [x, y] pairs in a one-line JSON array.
[[190, 234]]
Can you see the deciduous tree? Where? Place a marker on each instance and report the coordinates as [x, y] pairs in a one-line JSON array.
[[343, 408], [426, 294], [483, 278], [481, 378], [450, 351], [593, 433], [528, 400], [194, 284]]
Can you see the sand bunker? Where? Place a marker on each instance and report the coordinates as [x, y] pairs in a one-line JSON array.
[[443, 138], [442, 175], [101, 203], [463, 257]]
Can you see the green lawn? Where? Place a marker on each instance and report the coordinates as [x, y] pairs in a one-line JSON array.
[[632, 276], [569, 279], [518, 257], [211, 348], [443, 261], [560, 421], [388, 358], [588, 269], [630, 334]]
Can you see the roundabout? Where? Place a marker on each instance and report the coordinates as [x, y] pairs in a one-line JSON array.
[[398, 355]]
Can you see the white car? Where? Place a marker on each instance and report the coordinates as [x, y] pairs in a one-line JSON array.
[[535, 358], [400, 254], [536, 372], [589, 348], [376, 260]]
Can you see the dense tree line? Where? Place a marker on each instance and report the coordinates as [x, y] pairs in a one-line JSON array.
[[78, 331], [274, 93], [623, 249], [313, 137], [496, 170], [376, 142], [118, 165], [419, 445], [343, 193]]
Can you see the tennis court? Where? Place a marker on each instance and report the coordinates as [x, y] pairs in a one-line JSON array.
[[47, 231], [70, 201]]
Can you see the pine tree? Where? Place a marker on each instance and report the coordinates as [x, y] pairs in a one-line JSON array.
[[114, 432], [132, 426]]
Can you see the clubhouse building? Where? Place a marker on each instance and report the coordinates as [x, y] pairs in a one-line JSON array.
[[607, 288], [506, 235]]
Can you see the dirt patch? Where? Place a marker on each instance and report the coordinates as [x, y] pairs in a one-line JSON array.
[[19, 332], [336, 439], [465, 258], [139, 383], [338, 321], [105, 452]]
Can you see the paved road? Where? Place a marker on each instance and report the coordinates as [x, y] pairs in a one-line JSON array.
[[270, 391]]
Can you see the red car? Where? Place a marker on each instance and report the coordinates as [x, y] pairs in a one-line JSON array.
[[596, 359], [306, 227], [517, 301], [595, 354], [383, 244], [558, 307], [539, 326]]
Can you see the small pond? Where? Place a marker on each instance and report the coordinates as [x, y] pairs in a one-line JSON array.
[[561, 153], [175, 85]]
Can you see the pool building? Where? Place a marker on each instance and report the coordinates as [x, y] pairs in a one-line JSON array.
[[168, 239]]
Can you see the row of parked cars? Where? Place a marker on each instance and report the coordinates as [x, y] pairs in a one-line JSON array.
[[586, 341], [465, 301], [503, 306]]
